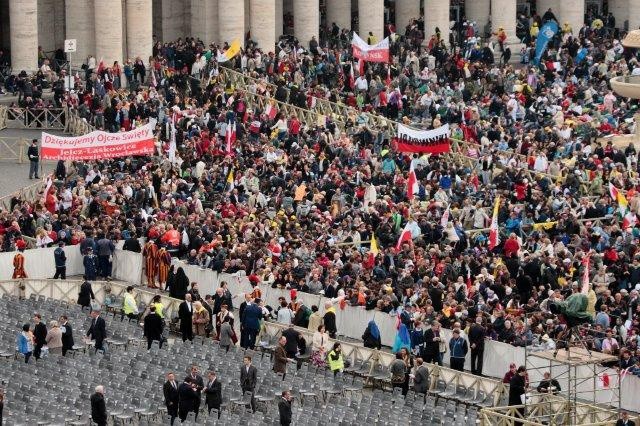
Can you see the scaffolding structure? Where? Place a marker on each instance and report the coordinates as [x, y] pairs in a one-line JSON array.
[[588, 394]]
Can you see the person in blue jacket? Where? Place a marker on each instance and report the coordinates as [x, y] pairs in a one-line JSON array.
[[250, 323], [458, 348]]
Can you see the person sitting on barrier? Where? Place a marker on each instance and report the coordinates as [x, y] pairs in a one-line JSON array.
[[549, 385]]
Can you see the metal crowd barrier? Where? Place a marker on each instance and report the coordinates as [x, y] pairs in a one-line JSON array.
[[340, 113], [29, 193], [36, 118], [13, 149], [3, 117]]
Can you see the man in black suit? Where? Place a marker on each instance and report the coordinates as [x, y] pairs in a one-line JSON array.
[[432, 339], [171, 398], [39, 335], [477, 334], [284, 408], [185, 313], [67, 335], [97, 331], [624, 420], [517, 388], [248, 379], [198, 383], [153, 326], [132, 244], [98, 407], [213, 392], [187, 395]]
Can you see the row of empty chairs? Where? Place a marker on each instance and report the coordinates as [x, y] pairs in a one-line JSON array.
[[55, 390]]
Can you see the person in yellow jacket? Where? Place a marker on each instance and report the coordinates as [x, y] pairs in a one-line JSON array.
[[335, 359], [157, 302], [534, 30], [129, 305]]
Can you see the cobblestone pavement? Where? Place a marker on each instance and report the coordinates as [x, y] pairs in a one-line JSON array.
[[13, 175]]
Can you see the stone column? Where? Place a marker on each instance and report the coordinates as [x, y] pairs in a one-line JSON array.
[[620, 10], [173, 19], [543, 5], [204, 20], [339, 11], [23, 18], [436, 14], [139, 29], [80, 26], [572, 11], [247, 15], [371, 18], [279, 18], [634, 15], [46, 25], [230, 21], [59, 24], [478, 11], [504, 14], [306, 20], [108, 30], [263, 24], [406, 10]]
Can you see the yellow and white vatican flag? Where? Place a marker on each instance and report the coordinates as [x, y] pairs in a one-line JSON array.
[[230, 53]]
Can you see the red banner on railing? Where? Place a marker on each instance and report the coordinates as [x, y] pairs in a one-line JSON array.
[[434, 141], [99, 145]]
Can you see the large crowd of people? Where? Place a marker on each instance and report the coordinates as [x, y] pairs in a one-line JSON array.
[[297, 205]]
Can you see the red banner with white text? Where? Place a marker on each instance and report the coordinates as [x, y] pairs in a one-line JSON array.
[[99, 145], [376, 53]]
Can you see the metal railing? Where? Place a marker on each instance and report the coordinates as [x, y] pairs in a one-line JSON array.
[[29, 193], [3, 117], [341, 114], [76, 125], [13, 149], [36, 118]]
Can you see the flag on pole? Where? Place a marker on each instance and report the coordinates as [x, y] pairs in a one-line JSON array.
[[373, 248], [271, 111], [230, 53], [49, 183], [172, 144], [100, 66], [618, 196], [352, 78], [586, 263], [444, 220], [412, 183], [373, 252], [230, 137], [604, 381], [360, 67], [411, 230], [230, 181], [494, 238], [388, 79], [629, 220]]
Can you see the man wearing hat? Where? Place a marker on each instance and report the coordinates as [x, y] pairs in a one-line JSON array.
[[18, 260]]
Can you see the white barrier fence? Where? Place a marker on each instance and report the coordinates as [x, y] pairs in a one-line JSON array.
[[351, 321]]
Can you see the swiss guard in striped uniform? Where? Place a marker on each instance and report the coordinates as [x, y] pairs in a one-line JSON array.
[[150, 254], [164, 261], [18, 260]]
